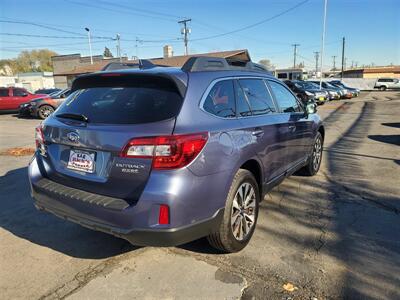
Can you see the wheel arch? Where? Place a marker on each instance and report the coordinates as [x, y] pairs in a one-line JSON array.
[[254, 167], [321, 130]]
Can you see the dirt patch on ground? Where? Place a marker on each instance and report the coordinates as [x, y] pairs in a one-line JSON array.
[[19, 151]]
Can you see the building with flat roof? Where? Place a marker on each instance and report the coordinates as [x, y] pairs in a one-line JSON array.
[[373, 72], [67, 67]]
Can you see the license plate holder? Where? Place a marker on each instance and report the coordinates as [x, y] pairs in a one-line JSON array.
[[80, 160]]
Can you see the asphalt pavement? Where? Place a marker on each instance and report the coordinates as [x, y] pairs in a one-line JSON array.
[[334, 235]]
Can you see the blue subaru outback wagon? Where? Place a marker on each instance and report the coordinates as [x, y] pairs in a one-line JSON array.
[[163, 156]]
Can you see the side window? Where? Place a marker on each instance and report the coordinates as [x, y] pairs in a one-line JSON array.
[[258, 96], [220, 100], [3, 92], [19, 92], [242, 105], [286, 101]]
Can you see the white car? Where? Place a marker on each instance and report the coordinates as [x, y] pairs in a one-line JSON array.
[[387, 83]]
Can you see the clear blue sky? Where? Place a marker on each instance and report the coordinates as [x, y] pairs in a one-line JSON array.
[[371, 27]]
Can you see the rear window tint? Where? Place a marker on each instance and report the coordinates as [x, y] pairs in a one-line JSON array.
[[124, 103]]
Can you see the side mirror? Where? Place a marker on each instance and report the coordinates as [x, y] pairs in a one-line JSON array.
[[24, 94], [311, 108]]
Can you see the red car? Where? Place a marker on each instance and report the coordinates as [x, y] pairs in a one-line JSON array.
[[12, 97]]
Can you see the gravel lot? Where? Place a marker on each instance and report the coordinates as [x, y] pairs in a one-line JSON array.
[[335, 235]]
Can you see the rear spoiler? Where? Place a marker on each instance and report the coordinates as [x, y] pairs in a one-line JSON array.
[[90, 80]]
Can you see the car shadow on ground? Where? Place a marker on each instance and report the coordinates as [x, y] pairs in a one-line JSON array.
[[389, 139], [395, 125], [343, 215], [19, 216]]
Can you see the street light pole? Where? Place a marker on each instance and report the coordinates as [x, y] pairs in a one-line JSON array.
[[90, 46], [323, 43]]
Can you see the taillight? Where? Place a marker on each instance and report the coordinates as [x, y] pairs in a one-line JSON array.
[[167, 152], [39, 140]]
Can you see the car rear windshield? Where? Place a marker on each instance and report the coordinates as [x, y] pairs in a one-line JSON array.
[[123, 101]]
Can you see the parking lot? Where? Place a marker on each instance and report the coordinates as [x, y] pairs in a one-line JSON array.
[[335, 235]]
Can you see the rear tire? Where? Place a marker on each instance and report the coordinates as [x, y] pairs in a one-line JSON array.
[[382, 88], [44, 111], [240, 215], [315, 159]]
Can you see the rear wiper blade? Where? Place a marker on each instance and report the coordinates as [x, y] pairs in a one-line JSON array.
[[79, 117]]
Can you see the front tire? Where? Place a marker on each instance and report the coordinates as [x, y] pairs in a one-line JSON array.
[[45, 111], [240, 215]]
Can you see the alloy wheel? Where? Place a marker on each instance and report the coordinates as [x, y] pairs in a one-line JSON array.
[[317, 153], [243, 211]]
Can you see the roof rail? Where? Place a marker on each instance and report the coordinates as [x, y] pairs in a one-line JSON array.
[[208, 63], [142, 64]]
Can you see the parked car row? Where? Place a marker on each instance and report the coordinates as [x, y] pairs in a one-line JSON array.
[[12, 97], [44, 106], [48, 91], [310, 90], [307, 91]]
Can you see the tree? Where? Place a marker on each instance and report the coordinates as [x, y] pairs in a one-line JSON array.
[[107, 52], [267, 63], [30, 61]]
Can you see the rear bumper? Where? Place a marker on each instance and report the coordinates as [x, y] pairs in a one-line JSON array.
[[140, 237], [192, 216]]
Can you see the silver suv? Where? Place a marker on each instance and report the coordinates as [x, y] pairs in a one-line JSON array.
[[387, 83]]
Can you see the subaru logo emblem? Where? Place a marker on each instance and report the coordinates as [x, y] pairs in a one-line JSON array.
[[73, 137]]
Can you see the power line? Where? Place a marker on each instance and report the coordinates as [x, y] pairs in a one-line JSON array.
[[42, 36], [254, 24], [42, 26], [119, 11], [52, 36], [28, 46], [79, 27], [150, 12]]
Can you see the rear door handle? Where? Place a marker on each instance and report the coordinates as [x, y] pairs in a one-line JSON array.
[[258, 132]]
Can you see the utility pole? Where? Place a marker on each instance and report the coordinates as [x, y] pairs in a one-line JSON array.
[[334, 62], [323, 42], [119, 47], [343, 63], [90, 45], [136, 46], [294, 54], [316, 55], [185, 31]]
